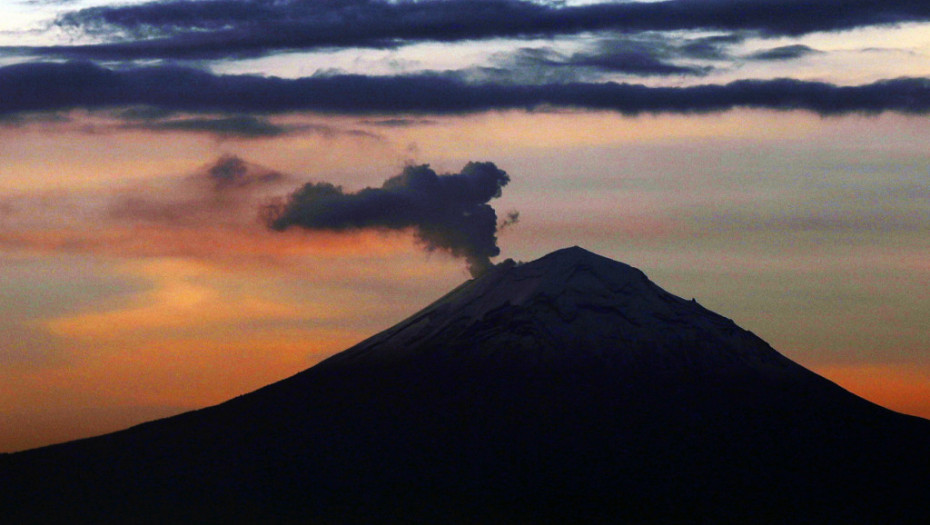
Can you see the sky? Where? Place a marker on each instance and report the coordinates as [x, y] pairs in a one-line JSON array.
[[198, 198]]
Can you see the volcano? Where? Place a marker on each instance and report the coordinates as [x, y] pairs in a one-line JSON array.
[[570, 389]]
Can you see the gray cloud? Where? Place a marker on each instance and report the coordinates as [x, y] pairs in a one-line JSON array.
[[240, 126], [650, 55], [236, 126], [712, 47], [143, 113], [229, 171], [399, 122], [643, 56], [784, 53], [26, 119], [448, 212]]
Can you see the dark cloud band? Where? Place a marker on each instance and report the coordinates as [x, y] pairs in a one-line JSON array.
[[225, 28], [49, 87]]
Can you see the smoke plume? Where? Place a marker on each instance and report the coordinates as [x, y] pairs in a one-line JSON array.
[[447, 212]]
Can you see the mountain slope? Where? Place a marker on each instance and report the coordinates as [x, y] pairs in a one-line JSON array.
[[567, 389]]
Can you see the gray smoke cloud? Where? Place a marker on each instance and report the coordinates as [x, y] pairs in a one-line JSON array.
[[448, 212]]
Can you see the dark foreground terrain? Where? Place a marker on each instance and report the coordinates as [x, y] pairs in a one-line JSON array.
[[566, 390]]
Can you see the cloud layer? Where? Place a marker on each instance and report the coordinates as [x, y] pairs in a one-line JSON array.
[[447, 212], [48, 87], [176, 29], [226, 192]]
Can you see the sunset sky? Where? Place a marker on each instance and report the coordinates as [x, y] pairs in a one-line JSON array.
[[769, 158]]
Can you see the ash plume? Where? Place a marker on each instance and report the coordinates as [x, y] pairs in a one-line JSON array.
[[448, 212]]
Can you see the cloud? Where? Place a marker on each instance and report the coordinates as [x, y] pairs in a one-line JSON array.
[[640, 54], [19, 120], [227, 191], [399, 122], [647, 54], [784, 53], [635, 56], [238, 126], [220, 214], [640, 62], [35, 87], [447, 212], [250, 247], [211, 215], [144, 113], [229, 171], [710, 47], [176, 29]]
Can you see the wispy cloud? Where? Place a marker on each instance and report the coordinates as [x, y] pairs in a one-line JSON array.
[[784, 53], [211, 214], [241, 126], [640, 56], [181, 299], [225, 126], [227, 191]]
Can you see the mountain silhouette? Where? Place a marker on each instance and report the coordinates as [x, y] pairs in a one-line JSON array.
[[570, 389]]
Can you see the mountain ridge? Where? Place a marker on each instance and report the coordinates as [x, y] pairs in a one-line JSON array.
[[566, 389]]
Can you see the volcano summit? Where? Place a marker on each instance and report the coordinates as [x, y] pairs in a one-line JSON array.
[[570, 389]]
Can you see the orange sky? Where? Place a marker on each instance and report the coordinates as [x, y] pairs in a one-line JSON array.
[[810, 232]]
